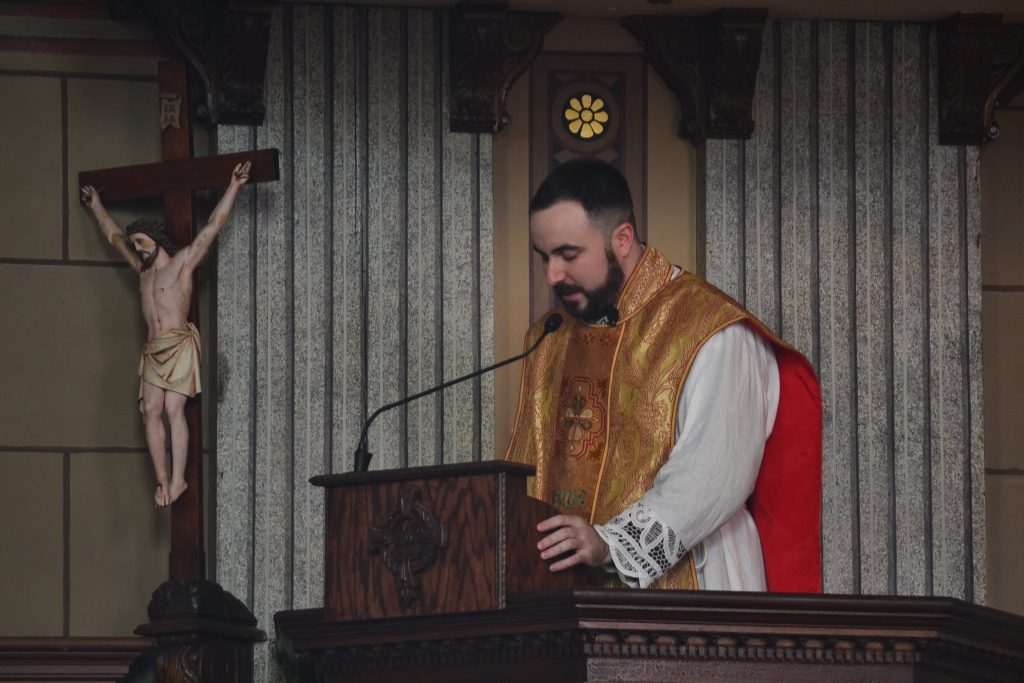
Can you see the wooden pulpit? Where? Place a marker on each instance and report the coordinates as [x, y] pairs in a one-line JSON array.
[[432, 540], [432, 574]]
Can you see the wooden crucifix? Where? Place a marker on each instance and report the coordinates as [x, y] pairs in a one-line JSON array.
[[175, 179]]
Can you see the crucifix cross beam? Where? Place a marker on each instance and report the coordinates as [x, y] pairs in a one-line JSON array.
[[178, 175], [175, 178]]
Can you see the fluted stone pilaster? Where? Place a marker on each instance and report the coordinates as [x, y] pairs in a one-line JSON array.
[[362, 276], [876, 270]]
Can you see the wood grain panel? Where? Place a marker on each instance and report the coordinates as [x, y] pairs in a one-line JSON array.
[[178, 175], [524, 570], [67, 660], [625, 635], [464, 576]]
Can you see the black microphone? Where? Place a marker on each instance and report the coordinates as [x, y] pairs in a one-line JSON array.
[[363, 455], [613, 316]]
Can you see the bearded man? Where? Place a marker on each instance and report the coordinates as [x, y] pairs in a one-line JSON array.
[[679, 438], [169, 367]]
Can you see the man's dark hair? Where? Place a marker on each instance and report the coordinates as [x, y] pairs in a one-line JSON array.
[[596, 185], [154, 230]]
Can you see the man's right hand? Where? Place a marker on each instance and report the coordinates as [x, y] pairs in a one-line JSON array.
[[572, 533]]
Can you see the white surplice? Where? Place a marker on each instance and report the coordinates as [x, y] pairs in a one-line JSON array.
[[726, 412]]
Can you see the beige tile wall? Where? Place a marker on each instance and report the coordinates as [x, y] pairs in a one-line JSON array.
[[30, 115], [1003, 507], [119, 543], [71, 367], [110, 123], [1002, 213], [31, 543], [81, 547]]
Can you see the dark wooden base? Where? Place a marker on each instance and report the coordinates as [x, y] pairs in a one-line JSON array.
[[203, 634], [620, 635], [68, 660]]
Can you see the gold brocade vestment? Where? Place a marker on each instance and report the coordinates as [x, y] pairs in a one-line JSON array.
[[598, 404]]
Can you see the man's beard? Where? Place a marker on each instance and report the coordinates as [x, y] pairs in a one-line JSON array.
[[600, 302], [148, 259]]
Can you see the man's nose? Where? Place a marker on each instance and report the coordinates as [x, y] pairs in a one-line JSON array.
[[554, 272]]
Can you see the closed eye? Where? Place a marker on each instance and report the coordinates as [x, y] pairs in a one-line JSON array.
[[567, 252]]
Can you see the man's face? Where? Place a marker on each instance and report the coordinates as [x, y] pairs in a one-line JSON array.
[[578, 262], [145, 247]]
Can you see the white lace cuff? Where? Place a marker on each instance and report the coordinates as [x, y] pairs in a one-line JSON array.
[[642, 546]]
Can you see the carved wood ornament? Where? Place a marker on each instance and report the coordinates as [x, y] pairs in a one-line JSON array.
[[623, 635], [490, 49], [408, 541], [710, 63], [203, 633], [981, 67], [225, 45]]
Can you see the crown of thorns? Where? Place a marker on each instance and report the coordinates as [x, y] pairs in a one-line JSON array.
[[155, 230]]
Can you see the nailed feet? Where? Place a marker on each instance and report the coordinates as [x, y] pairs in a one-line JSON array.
[[177, 488], [162, 497], [167, 494]]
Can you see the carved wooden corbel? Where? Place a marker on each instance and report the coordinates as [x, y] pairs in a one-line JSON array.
[[203, 634], [489, 49], [981, 66], [225, 46], [710, 63]]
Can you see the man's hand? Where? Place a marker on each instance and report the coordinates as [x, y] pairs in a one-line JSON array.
[[568, 533], [240, 176], [91, 198]]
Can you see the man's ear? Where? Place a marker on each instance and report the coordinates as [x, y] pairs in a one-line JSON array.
[[623, 239]]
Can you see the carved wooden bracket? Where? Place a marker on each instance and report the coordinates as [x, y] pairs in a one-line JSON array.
[[225, 46], [710, 63], [489, 49], [981, 66], [408, 541]]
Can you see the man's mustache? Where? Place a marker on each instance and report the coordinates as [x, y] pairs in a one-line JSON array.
[[563, 289]]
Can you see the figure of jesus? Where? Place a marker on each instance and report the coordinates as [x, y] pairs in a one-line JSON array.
[[169, 367]]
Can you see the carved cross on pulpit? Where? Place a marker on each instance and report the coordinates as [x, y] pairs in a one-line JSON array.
[[175, 179]]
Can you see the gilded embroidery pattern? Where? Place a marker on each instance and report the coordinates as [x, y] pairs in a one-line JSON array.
[[653, 271], [580, 419]]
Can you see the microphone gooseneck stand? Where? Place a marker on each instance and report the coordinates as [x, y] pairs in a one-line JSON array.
[[363, 455]]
